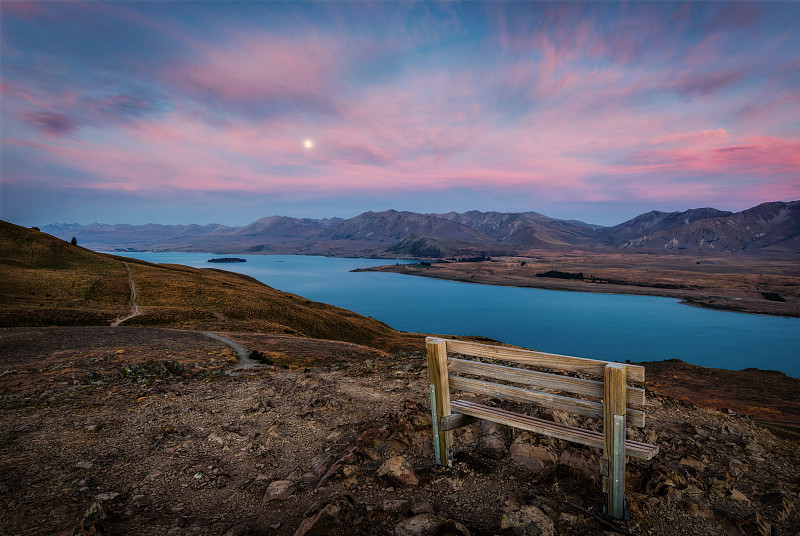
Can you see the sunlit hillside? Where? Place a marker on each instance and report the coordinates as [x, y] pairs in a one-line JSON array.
[[47, 281]]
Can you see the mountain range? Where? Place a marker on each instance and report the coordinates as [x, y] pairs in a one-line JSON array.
[[767, 228]]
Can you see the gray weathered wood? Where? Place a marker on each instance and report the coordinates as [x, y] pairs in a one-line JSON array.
[[539, 379], [451, 422], [613, 440], [541, 359], [634, 449], [587, 408], [440, 399]]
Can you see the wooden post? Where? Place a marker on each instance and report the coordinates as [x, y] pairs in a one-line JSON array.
[[614, 407], [440, 399]]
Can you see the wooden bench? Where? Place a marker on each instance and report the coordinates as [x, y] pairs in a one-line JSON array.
[[613, 396]]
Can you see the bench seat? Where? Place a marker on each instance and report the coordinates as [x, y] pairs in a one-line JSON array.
[[634, 449]]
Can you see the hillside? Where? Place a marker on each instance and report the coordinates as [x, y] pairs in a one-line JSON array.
[[770, 228], [634, 233], [392, 226], [47, 281], [528, 229], [142, 431], [146, 429]]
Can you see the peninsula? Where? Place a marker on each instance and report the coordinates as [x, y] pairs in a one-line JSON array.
[[727, 282]]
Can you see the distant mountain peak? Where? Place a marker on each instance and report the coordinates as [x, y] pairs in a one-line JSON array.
[[774, 225]]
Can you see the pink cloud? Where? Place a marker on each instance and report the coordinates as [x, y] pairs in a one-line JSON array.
[[23, 9], [760, 158], [703, 135], [264, 66], [694, 84]]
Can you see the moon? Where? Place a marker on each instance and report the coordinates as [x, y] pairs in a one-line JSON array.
[[308, 144]]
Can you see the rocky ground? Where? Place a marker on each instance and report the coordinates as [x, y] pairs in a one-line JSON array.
[[152, 431]]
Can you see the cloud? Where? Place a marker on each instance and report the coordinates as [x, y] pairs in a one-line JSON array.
[[264, 74], [760, 159], [588, 102], [22, 9], [138, 102], [702, 84], [52, 123], [735, 16], [703, 135]]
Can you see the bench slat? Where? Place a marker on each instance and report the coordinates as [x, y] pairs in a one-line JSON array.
[[540, 359], [590, 438], [586, 408], [539, 379]]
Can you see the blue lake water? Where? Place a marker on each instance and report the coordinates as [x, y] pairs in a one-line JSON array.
[[601, 326]]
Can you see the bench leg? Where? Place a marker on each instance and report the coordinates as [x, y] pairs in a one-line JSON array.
[[440, 400], [614, 408]]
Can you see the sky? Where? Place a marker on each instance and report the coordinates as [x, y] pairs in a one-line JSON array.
[[207, 112]]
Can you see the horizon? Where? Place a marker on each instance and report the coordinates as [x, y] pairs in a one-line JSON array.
[[374, 211], [170, 113]]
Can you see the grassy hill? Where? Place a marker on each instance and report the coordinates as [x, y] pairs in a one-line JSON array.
[[47, 281]]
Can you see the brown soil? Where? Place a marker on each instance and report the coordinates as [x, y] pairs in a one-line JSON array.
[[771, 398], [727, 282], [147, 424]]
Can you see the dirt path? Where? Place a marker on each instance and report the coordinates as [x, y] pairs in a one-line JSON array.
[[242, 353], [134, 306]]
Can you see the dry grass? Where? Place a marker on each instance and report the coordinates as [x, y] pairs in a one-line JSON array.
[[50, 282]]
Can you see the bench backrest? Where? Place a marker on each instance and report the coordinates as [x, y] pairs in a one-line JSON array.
[[534, 381]]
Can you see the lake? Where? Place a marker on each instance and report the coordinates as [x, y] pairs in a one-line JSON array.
[[602, 326]]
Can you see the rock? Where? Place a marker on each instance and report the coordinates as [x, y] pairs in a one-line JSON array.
[[755, 525], [340, 512], [528, 521], [395, 506], [532, 457], [322, 462], [94, 514], [568, 518], [215, 438], [754, 447], [693, 462], [534, 465], [422, 508], [736, 467], [59, 512], [349, 471], [368, 437], [398, 471], [563, 417], [140, 501], [490, 428], [693, 492], [660, 479], [237, 530], [83, 464], [107, 496], [493, 446], [581, 460], [429, 525], [393, 446], [523, 448], [737, 495], [695, 509], [279, 490], [780, 503]]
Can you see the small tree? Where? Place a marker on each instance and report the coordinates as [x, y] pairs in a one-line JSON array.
[[74, 241]]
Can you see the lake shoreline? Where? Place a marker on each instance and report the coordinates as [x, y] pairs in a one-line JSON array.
[[720, 299], [612, 326]]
